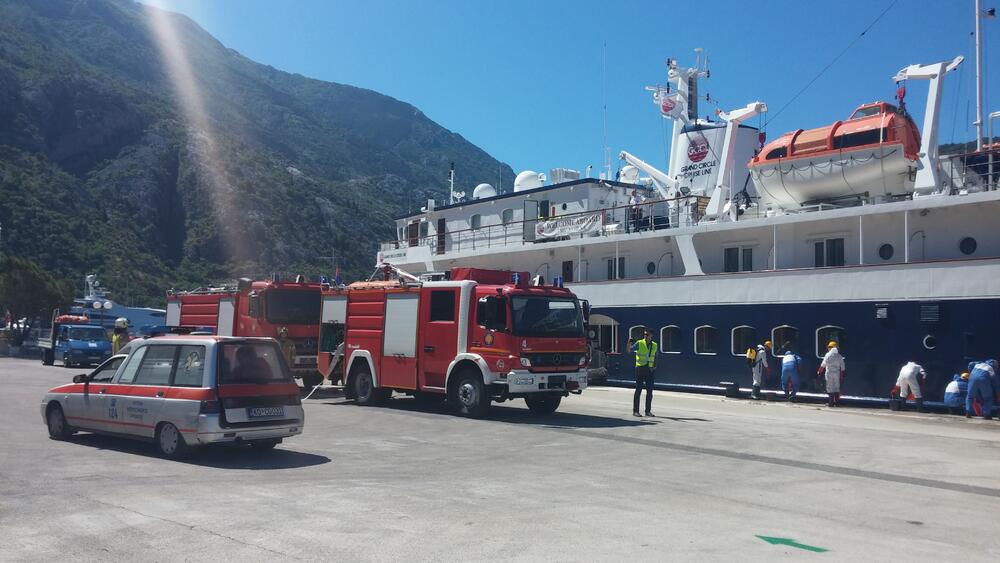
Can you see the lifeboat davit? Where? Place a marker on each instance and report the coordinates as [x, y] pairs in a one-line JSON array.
[[872, 154]]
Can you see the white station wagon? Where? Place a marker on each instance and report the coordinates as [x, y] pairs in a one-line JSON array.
[[182, 392]]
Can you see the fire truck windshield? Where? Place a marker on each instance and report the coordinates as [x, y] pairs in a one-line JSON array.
[[546, 316], [293, 307]]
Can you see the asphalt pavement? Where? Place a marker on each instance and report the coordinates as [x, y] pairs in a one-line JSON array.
[[709, 479]]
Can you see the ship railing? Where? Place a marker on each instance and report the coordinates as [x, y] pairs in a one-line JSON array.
[[651, 215], [973, 171]]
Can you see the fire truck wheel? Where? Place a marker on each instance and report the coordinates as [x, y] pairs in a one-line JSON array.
[[543, 403], [364, 389], [469, 394]]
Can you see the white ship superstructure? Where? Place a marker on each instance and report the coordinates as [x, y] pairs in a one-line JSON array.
[[858, 232]]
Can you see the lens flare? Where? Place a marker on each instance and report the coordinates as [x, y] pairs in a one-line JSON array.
[[165, 28]]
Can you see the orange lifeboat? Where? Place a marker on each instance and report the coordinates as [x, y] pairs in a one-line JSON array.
[[871, 154]]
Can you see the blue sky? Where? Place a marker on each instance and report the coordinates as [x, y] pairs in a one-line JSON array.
[[522, 79]]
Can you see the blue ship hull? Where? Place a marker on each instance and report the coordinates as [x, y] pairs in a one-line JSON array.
[[874, 348]]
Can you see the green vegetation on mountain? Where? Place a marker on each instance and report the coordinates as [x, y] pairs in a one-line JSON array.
[[102, 169]]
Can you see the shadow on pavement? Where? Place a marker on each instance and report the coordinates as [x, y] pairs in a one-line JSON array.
[[219, 456], [514, 415]]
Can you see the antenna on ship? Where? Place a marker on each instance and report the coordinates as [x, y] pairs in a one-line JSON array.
[[981, 14], [606, 175], [453, 196]]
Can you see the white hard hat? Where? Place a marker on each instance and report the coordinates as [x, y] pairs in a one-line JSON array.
[[121, 322]]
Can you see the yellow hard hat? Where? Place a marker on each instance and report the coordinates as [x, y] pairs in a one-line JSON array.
[[831, 344], [767, 343], [283, 332], [965, 375]]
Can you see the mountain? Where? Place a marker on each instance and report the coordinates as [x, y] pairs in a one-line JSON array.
[[135, 145]]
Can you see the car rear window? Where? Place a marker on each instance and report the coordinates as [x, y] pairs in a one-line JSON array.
[[251, 362]]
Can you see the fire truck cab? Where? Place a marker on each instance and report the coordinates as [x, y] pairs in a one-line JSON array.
[[477, 337], [270, 308]]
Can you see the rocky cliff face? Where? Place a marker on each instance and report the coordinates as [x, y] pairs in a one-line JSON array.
[[101, 168]]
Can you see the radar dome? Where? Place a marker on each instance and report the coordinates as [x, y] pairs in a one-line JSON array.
[[528, 180], [629, 174], [483, 191]]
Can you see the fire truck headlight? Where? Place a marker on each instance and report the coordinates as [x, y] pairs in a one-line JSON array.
[[525, 362]]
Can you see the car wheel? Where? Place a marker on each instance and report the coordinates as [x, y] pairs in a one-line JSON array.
[[170, 443], [364, 389], [264, 445], [59, 429], [469, 395], [67, 363], [543, 403]]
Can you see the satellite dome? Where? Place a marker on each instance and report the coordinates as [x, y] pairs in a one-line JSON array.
[[483, 191], [528, 180]]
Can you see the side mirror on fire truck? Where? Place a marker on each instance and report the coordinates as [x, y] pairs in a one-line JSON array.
[[586, 310]]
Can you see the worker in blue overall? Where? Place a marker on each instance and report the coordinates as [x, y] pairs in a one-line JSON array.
[[982, 384], [791, 370], [956, 391]]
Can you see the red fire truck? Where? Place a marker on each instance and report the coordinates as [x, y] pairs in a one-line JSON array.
[[257, 308], [477, 337]]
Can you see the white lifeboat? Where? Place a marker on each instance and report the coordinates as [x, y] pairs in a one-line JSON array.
[[872, 154]]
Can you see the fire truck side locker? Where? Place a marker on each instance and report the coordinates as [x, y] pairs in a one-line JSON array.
[[227, 316], [399, 345]]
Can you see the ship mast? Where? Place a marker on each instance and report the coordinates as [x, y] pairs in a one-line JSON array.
[[979, 76]]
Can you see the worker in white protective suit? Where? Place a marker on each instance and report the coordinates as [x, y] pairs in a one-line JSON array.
[[909, 380], [834, 369]]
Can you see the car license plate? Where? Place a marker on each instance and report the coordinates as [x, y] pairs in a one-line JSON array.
[[265, 412]]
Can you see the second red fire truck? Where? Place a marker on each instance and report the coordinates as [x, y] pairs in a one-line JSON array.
[[477, 337], [257, 308]]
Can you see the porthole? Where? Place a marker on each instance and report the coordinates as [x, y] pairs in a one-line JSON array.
[[651, 268], [886, 251], [930, 342], [967, 245], [564, 207]]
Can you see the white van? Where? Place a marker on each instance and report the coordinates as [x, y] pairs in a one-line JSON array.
[[182, 392]]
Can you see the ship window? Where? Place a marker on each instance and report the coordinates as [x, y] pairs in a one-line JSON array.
[[424, 226], [780, 152], [507, 216], [621, 268], [670, 340], [651, 268], [743, 337], [826, 334], [930, 342], [476, 221], [704, 340], [967, 245], [567, 270], [783, 336], [738, 259], [829, 252], [885, 251]]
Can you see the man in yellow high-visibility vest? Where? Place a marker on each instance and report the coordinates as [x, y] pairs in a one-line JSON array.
[[645, 362]]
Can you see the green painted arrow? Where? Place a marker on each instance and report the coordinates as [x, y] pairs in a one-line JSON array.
[[792, 543]]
